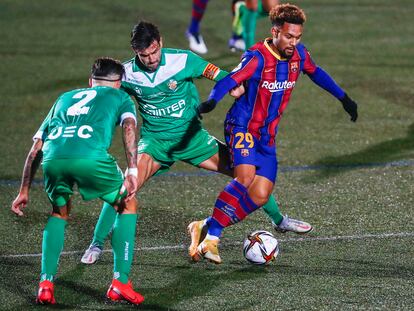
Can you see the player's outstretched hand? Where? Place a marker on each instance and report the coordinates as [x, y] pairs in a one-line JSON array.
[[206, 107], [350, 107], [19, 203]]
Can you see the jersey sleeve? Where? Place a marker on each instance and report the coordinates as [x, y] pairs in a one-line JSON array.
[[127, 109], [309, 66], [43, 130], [245, 69], [199, 67]]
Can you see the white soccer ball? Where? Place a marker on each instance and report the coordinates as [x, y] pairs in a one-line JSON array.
[[260, 247]]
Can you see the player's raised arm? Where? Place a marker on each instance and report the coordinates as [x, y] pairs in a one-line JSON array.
[[30, 167]]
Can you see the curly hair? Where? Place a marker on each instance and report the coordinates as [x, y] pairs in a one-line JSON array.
[[286, 13]]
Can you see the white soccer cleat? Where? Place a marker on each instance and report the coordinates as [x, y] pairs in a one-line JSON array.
[[196, 42], [237, 45], [91, 255], [293, 225]]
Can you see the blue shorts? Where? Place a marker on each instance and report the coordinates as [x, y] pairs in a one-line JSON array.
[[247, 149]]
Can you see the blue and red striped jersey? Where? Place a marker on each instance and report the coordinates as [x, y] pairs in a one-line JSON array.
[[269, 81]]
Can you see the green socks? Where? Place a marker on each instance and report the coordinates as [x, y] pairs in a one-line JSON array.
[[52, 245], [104, 225], [249, 26], [272, 210], [123, 240]]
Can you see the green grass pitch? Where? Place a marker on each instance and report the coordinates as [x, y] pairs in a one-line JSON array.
[[353, 182]]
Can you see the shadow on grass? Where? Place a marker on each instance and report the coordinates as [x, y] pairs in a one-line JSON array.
[[387, 151], [197, 280]]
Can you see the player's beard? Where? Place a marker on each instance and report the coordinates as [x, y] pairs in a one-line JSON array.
[[285, 55]]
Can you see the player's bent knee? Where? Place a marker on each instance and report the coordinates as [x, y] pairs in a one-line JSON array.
[[245, 180], [259, 195], [130, 207], [60, 211]]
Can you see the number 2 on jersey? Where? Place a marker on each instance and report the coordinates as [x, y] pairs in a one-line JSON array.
[[244, 137], [78, 108]]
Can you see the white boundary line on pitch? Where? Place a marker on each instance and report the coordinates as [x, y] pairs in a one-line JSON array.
[[305, 239]]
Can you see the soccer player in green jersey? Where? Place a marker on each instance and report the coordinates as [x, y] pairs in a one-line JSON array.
[[74, 140], [161, 81]]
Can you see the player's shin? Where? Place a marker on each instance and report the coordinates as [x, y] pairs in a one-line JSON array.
[[52, 245], [123, 241], [271, 208], [233, 205], [104, 225]]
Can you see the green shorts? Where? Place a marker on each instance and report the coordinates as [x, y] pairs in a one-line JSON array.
[[95, 179], [195, 147]]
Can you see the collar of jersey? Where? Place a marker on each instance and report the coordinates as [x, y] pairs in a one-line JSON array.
[[266, 44], [137, 66]]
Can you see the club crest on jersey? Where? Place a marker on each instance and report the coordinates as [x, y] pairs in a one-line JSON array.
[[294, 66], [244, 152], [172, 84], [138, 91]]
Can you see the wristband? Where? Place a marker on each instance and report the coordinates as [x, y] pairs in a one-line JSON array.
[[132, 171]]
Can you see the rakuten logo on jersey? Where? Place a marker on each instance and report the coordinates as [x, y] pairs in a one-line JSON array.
[[278, 86]]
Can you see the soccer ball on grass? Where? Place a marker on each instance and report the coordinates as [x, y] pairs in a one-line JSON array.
[[260, 247]]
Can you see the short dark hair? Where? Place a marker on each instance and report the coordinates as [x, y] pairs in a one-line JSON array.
[[109, 68], [286, 13], [143, 34]]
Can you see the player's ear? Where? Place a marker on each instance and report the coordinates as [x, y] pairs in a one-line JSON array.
[[90, 82], [275, 31], [160, 42]]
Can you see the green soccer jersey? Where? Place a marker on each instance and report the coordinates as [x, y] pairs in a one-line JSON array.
[[82, 122], [167, 98]]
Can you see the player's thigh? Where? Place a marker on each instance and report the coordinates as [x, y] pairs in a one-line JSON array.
[[196, 148], [242, 152], [220, 161], [147, 167], [267, 164], [269, 4], [252, 4], [155, 155], [58, 185], [98, 179]]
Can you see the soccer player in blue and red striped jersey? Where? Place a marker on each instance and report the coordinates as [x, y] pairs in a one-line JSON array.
[[269, 71]]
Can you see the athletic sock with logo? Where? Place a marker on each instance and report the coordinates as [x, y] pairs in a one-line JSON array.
[[232, 205], [123, 240], [52, 245], [271, 208], [104, 225]]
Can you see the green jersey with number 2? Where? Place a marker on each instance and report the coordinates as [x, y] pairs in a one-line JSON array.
[[82, 122]]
